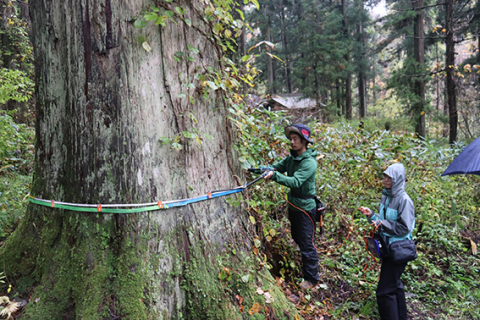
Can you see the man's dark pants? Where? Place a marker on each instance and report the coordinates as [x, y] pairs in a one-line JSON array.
[[303, 229], [390, 293]]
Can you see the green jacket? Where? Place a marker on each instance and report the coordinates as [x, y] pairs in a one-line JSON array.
[[300, 177]]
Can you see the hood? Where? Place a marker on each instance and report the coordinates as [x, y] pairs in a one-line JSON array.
[[306, 154], [397, 173]]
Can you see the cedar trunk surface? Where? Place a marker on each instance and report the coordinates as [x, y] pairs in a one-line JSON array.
[[450, 65], [419, 54], [103, 103]]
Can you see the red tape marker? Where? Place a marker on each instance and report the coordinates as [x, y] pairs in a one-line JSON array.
[[99, 207]]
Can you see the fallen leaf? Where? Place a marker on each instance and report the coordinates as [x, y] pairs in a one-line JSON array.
[[241, 308], [293, 298], [297, 317], [227, 271], [255, 308], [36, 300], [259, 291], [474, 247]]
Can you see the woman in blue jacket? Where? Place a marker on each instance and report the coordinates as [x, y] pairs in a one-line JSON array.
[[396, 220]]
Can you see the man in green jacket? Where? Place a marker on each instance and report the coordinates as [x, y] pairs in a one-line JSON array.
[[300, 168]]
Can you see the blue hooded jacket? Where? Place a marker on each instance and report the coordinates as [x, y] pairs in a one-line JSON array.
[[397, 211]]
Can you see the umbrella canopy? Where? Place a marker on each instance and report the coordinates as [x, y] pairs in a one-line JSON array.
[[467, 162]]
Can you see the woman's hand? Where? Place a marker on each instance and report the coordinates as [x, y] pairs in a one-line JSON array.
[[366, 211], [376, 223]]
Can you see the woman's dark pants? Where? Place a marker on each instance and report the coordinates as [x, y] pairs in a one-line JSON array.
[[303, 229], [390, 293]]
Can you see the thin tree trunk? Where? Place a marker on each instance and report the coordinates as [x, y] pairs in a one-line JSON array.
[[337, 97], [348, 80], [362, 79], [270, 89], [450, 66], [419, 54], [287, 53], [103, 103]]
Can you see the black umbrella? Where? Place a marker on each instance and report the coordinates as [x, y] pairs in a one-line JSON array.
[[467, 162]]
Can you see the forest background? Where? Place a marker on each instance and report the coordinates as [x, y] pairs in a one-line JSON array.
[[402, 87]]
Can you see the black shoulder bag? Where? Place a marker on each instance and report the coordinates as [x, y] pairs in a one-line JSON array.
[[403, 251]]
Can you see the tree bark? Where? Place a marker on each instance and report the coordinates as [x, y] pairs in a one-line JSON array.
[[103, 102], [348, 80], [361, 64], [450, 66], [270, 88], [419, 55], [287, 54]]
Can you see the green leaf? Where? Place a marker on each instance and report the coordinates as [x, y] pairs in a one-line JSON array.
[[141, 39], [165, 140], [154, 9], [169, 13], [241, 14], [252, 219], [180, 10], [245, 58], [182, 95], [217, 28], [188, 135], [151, 16], [255, 2], [188, 22], [176, 146], [140, 23], [212, 85], [193, 49], [161, 20]]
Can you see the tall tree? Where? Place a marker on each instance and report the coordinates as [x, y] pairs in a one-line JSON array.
[[419, 54], [450, 67], [348, 80], [103, 103], [360, 58]]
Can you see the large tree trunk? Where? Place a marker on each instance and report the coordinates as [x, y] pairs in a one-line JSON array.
[[419, 54], [103, 102], [450, 66]]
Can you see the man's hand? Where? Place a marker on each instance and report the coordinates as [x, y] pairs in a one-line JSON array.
[[366, 211], [268, 175]]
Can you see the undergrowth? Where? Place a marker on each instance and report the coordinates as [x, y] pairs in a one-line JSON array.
[[443, 280], [16, 164]]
